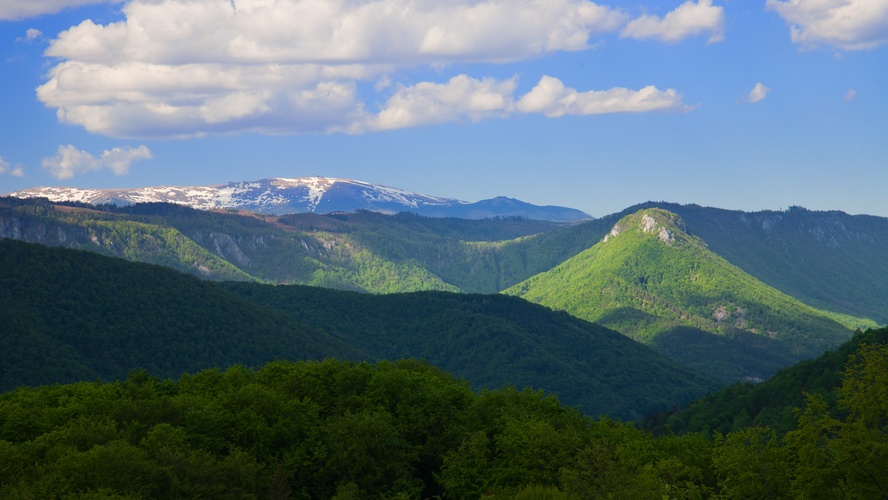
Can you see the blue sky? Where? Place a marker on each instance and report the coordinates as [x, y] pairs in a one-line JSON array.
[[740, 104]]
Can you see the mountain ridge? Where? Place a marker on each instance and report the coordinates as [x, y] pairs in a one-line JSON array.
[[648, 276], [280, 195]]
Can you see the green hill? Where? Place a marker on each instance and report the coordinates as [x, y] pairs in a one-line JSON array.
[[829, 260], [74, 315], [648, 278]]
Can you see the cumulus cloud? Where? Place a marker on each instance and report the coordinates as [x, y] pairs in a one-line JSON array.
[[757, 93], [184, 68], [846, 24], [349, 31], [18, 171], [70, 161], [460, 98], [466, 98], [21, 9], [688, 19], [551, 98]]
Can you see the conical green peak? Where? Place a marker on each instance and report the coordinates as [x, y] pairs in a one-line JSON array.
[[665, 225]]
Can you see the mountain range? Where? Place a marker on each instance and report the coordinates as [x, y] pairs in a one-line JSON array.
[[278, 196], [734, 294], [741, 336]]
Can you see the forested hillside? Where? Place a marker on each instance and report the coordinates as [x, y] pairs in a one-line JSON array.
[[74, 315], [492, 339], [362, 251], [649, 277], [772, 403], [403, 429], [828, 260]]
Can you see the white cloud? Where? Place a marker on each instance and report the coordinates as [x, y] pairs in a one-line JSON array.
[[70, 161], [33, 34], [757, 93], [181, 68], [184, 68], [347, 31], [551, 98], [21, 9], [18, 171], [850, 95], [688, 19], [461, 97], [466, 98], [846, 24]]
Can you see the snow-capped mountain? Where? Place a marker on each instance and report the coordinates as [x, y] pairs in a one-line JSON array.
[[279, 196]]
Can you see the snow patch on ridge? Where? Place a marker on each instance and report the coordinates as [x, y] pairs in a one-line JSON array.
[[282, 195]]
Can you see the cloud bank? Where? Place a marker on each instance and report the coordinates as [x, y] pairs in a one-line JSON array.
[[184, 68], [70, 161], [846, 24]]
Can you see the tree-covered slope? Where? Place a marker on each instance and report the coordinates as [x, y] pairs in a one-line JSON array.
[[38, 221], [363, 251], [73, 315], [649, 276], [495, 339], [829, 260], [772, 403]]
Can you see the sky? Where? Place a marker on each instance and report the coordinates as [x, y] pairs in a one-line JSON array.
[[738, 104]]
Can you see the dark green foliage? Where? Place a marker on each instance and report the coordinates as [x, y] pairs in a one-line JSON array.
[[71, 315], [494, 339], [324, 430], [771, 403], [405, 429], [736, 355]]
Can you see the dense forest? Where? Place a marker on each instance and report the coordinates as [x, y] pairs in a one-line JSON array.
[[74, 315], [337, 429], [771, 403]]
